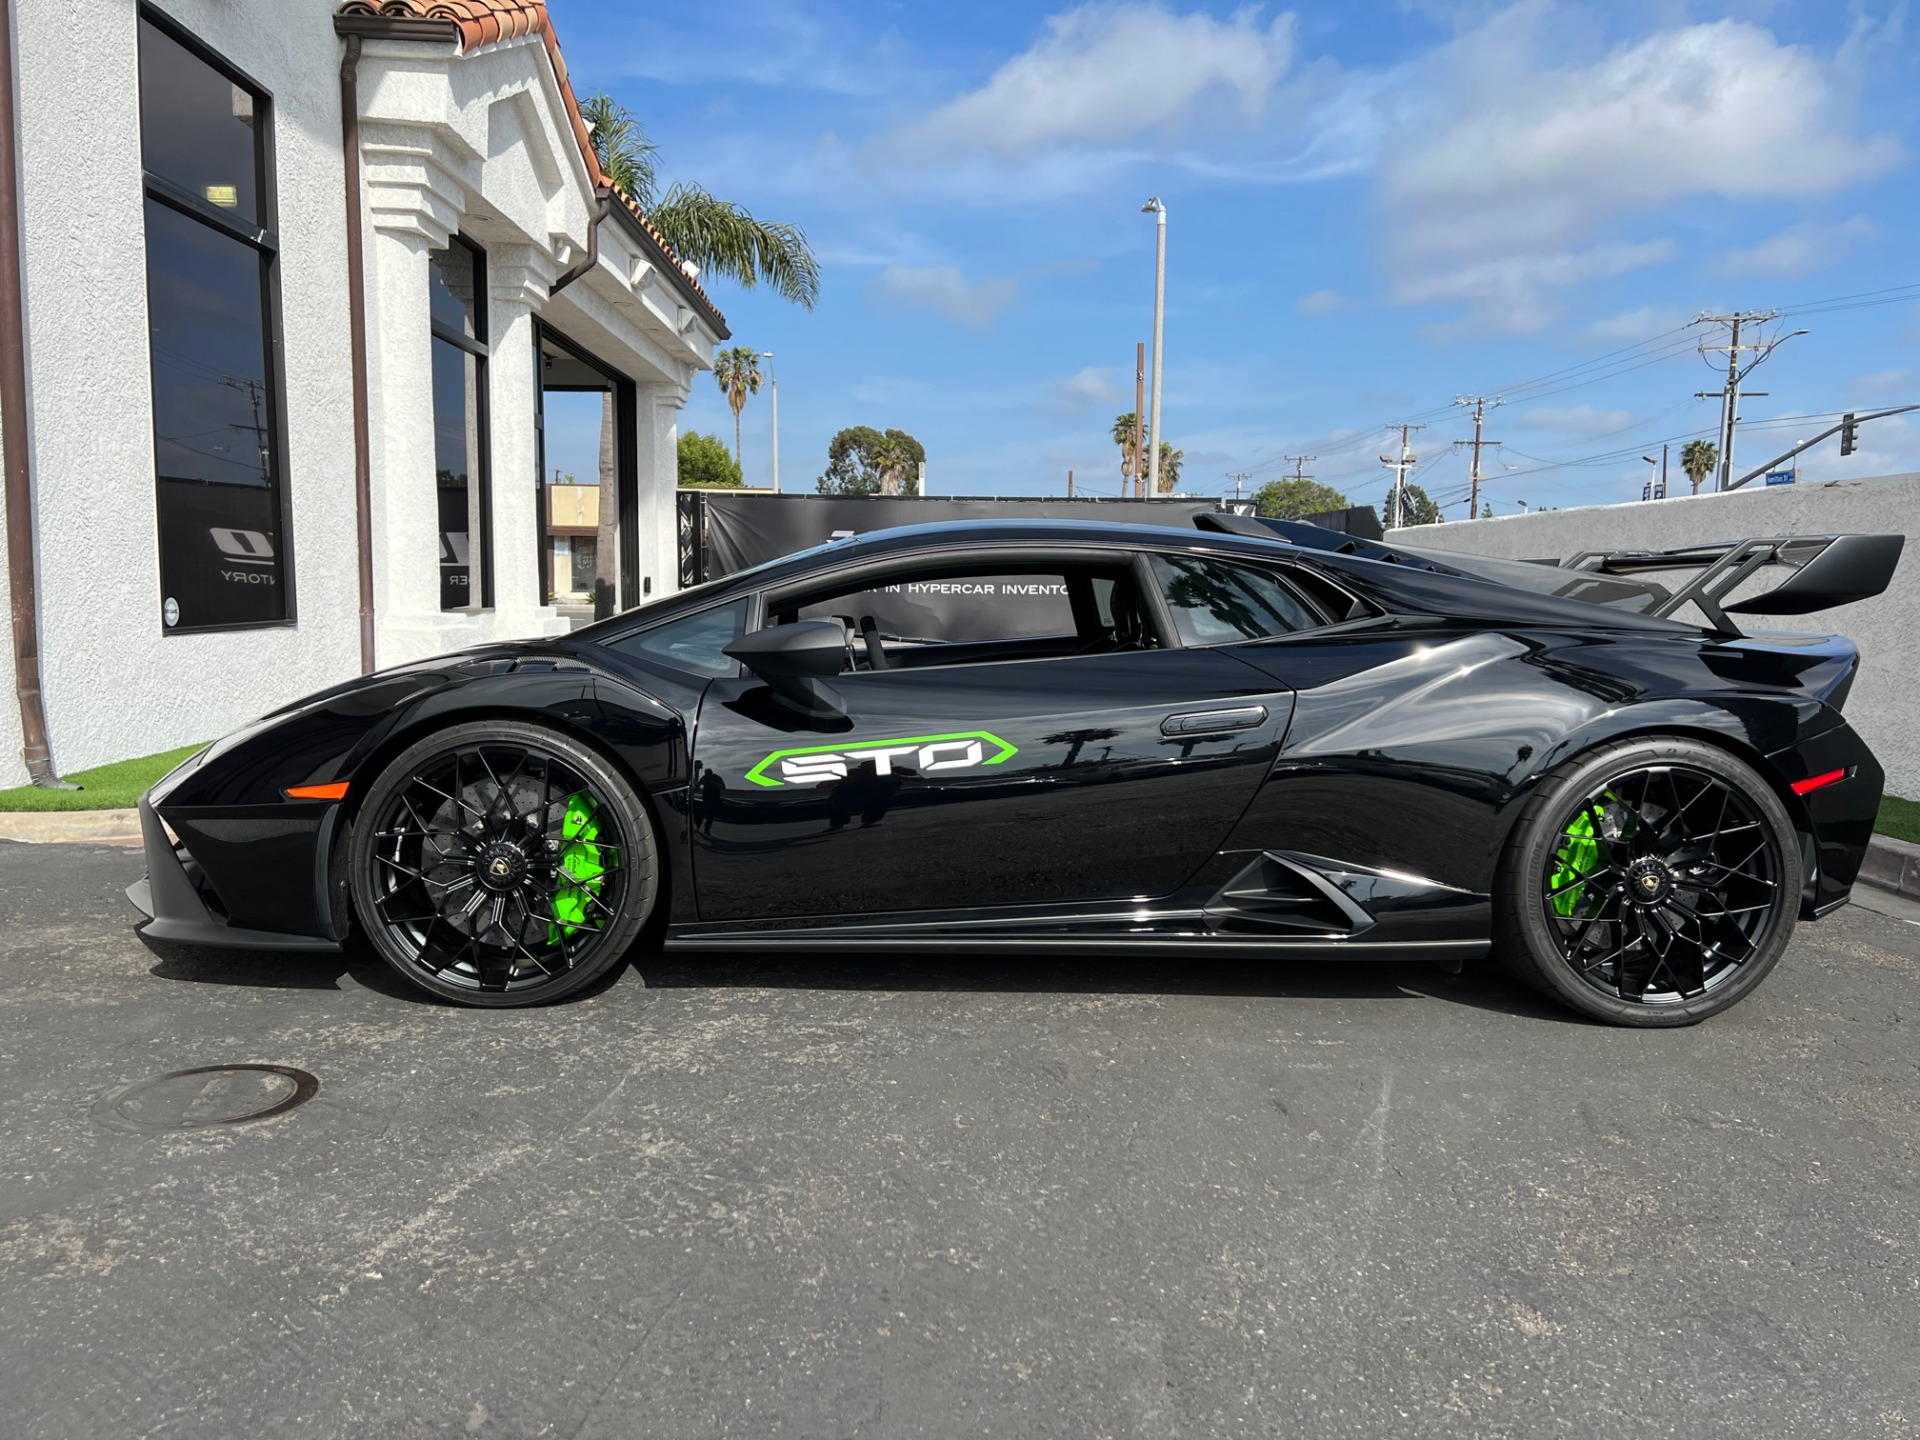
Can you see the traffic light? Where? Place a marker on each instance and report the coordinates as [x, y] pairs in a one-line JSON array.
[[1849, 433]]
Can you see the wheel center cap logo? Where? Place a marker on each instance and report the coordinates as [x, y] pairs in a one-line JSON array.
[[500, 868], [1650, 882]]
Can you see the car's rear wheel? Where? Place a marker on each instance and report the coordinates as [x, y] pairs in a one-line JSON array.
[[1652, 882], [502, 863]]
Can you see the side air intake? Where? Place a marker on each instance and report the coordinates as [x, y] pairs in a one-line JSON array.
[[1275, 895]]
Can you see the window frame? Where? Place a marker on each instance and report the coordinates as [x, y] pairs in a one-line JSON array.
[[264, 239], [480, 347]]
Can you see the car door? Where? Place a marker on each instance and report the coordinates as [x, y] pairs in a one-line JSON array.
[[1035, 781]]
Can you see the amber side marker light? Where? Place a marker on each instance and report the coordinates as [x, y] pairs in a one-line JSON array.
[[1818, 782], [335, 791]]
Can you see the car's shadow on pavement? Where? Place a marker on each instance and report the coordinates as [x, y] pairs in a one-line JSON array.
[[1482, 986]]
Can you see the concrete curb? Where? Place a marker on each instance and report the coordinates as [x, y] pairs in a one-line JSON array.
[[71, 827], [1892, 865]]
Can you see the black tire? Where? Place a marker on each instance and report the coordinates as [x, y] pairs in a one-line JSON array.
[[1651, 882], [501, 863]]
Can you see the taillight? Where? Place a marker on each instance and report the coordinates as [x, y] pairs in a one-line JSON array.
[[1818, 782]]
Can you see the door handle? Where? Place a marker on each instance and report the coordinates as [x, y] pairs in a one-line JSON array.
[[1212, 722]]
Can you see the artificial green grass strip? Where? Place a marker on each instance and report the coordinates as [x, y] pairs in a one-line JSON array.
[[1899, 818], [106, 787]]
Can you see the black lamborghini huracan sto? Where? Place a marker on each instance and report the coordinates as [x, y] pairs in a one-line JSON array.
[[1250, 738]]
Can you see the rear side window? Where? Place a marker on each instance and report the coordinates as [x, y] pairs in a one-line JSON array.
[[693, 643], [1216, 602]]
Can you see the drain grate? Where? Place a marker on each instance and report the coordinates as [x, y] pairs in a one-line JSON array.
[[205, 1096]]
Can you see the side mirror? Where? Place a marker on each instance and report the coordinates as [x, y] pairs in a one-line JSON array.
[[795, 661]]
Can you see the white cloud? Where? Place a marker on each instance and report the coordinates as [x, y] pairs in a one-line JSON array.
[[1095, 385], [1518, 294], [1507, 164], [1576, 419], [945, 291], [1798, 250], [1320, 302], [1630, 326], [1109, 72]]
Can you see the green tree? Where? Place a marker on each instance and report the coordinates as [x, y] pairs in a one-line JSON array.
[[1699, 458], [864, 461], [705, 463], [717, 235], [737, 372], [1297, 499], [1419, 508], [1170, 459]]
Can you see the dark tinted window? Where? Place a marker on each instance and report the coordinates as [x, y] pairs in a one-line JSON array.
[[1215, 602], [197, 126], [691, 644], [210, 329], [457, 317]]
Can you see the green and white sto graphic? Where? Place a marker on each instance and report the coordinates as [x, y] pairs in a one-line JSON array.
[[924, 754]]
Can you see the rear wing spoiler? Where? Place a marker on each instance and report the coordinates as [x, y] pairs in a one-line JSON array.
[[1827, 570]]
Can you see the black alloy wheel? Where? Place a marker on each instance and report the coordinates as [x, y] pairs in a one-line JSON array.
[[1652, 883], [501, 863]]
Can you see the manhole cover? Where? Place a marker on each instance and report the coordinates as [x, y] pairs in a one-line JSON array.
[[208, 1095]]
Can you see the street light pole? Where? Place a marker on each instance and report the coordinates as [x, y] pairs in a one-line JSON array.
[[1159, 212], [773, 378]]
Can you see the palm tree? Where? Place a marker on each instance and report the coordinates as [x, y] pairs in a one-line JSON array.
[[716, 235], [1170, 459], [1124, 435], [738, 372], [1698, 458]]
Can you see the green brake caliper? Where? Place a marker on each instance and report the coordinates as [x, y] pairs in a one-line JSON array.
[[1578, 858], [583, 866]]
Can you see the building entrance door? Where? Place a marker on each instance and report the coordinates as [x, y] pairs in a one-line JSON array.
[[588, 541]]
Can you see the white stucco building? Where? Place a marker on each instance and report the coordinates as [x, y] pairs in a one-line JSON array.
[[285, 263]]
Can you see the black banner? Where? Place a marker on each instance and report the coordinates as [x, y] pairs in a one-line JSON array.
[[219, 554], [740, 530]]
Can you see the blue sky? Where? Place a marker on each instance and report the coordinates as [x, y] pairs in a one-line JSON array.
[[1373, 207]]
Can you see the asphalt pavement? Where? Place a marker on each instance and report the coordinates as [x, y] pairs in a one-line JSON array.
[[944, 1197]]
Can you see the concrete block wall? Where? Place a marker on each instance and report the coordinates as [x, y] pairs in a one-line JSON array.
[[1885, 704]]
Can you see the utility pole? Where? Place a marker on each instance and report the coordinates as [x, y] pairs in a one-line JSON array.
[[1479, 403], [1300, 465], [774, 381], [1729, 397], [1400, 464], [1069, 484], [1239, 477], [1139, 415], [1159, 212]]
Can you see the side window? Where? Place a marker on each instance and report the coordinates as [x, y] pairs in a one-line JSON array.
[[956, 609], [691, 644], [1215, 602]]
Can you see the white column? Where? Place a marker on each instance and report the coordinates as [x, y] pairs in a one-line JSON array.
[[412, 210], [657, 460]]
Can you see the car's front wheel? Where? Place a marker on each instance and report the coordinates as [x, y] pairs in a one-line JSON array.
[[502, 863], [1651, 882]]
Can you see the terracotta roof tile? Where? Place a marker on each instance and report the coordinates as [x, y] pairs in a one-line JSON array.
[[487, 22]]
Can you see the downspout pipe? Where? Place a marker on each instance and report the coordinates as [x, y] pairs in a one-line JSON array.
[[16, 459], [600, 213], [357, 342]]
